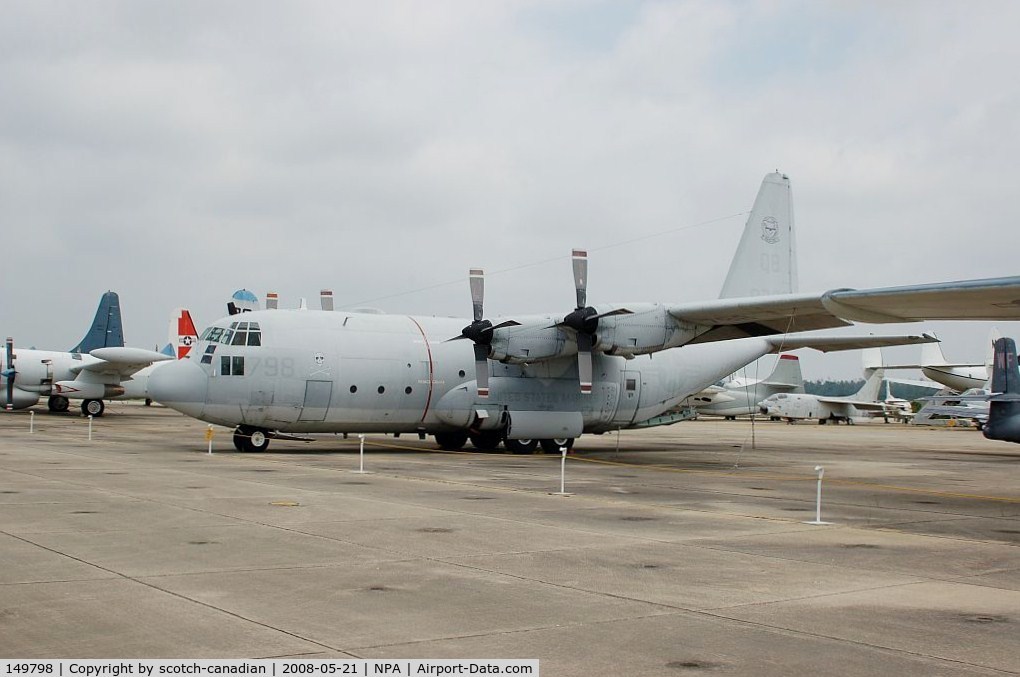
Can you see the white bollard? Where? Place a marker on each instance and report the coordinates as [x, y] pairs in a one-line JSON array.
[[361, 456], [818, 498], [31, 422], [209, 436], [563, 473], [90, 427]]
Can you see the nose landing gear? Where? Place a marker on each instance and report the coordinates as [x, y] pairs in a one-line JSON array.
[[250, 440]]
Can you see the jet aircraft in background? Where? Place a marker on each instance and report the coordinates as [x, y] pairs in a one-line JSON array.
[[959, 376], [538, 379], [739, 396]]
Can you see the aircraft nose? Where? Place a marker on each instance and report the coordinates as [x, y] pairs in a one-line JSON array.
[[181, 385]]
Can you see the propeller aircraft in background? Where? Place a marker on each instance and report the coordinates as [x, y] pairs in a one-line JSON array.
[[543, 379], [100, 367]]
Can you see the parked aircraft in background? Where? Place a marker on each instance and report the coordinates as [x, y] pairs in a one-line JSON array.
[[182, 338], [740, 396], [1004, 402], [824, 408], [546, 378], [95, 370], [959, 377]]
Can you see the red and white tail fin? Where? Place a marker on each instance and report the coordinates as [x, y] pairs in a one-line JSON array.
[[183, 334]]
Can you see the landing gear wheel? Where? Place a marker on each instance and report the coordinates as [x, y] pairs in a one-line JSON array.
[[58, 404], [251, 440], [486, 441], [452, 441], [553, 446], [521, 446], [93, 408]]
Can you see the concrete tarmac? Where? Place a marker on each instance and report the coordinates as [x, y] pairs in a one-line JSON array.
[[680, 551]]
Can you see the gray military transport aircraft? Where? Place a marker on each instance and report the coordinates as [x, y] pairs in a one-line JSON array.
[[543, 379]]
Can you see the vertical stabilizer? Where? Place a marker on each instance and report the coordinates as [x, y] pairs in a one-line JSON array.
[[1004, 403], [932, 355], [766, 262], [107, 330], [182, 333], [872, 384], [787, 374]]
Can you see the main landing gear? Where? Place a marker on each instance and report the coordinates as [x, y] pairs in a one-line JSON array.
[[251, 440], [490, 440], [93, 408], [58, 404]]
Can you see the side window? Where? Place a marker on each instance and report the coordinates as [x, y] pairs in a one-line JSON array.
[[631, 384], [225, 366], [238, 367]]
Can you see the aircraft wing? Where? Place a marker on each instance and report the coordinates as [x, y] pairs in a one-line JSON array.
[[832, 343], [119, 363], [863, 405], [989, 299]]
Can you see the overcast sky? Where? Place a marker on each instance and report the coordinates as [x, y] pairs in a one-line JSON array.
[[177, 151]]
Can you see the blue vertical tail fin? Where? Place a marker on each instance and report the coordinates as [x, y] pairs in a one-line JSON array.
[[107, 330], [1004, 402]]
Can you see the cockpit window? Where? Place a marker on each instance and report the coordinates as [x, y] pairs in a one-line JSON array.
[[239, 334]]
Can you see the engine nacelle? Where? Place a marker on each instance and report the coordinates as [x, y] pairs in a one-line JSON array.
[[647, 329], [22, 398], [524, 345], [87, 391]]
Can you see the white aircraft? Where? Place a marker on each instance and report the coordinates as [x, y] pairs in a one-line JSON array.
[[182, 338], [823, 408], [959, 376], [739, 396], [98, 368], [527, 380]]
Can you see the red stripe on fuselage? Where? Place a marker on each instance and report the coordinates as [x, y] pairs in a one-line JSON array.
[[428, 350]]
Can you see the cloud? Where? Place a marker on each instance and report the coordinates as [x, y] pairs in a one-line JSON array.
[[176, 152]]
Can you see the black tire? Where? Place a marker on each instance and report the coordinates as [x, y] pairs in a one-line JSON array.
[[252, 440], [58, 404], [553, 446], [452, 441], [93, 408], [521, 446], [486, 441]]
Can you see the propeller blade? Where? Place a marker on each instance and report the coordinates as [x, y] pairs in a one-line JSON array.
[[477, 279], [482, 369], [580, 262], [10, 373], [584, 368]]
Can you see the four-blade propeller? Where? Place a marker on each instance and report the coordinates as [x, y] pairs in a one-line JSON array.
[[584, 320], [480, 331]]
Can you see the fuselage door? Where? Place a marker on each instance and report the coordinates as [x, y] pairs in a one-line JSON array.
[[630, 395], [317, 396]]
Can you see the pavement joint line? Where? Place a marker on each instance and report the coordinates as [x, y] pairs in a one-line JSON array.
[[185, 598], [856, 642]]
